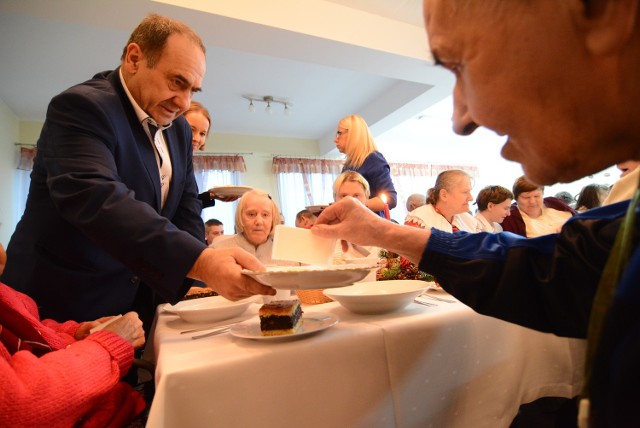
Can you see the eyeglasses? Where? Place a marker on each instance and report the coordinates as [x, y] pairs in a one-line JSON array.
[[339, 133]]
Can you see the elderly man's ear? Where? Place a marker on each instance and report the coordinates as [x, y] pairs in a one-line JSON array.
[[607, 25]]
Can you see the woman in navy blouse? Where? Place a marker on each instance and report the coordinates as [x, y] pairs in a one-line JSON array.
[[354, 139]]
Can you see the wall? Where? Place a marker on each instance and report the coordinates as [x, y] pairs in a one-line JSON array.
[[8, 137], [258, 153]]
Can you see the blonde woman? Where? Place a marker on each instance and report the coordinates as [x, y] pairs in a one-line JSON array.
[[447, 206], [200, 121], [354, 139]]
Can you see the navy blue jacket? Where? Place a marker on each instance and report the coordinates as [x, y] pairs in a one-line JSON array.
[[93, 231], [376, 171], [548, 284]]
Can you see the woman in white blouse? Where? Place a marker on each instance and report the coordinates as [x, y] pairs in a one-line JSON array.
[[447, 206], [494, 204]]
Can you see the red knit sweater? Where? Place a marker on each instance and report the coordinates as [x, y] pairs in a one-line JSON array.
[[74, 384]]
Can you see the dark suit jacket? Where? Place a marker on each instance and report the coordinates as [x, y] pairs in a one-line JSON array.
[[93, 229]]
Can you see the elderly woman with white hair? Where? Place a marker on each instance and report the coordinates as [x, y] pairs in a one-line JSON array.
[[256, 217]]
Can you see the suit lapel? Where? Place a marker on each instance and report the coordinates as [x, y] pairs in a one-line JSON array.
[[143, 144], [150, 163], [177, 162]]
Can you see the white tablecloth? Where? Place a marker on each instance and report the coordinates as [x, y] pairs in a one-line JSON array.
[[443, 366]]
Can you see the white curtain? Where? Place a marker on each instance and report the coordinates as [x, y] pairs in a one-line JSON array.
[[409, 178], [303, 182], [22, 180], [211, 171]]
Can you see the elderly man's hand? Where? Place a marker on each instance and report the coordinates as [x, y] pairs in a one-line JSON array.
[[350, 220], [221, 269]]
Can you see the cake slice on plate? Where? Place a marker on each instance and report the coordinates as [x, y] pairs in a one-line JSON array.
[[280, 317]]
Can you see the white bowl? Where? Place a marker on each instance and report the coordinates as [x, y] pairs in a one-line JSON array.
[[378, 297], [209, 309]]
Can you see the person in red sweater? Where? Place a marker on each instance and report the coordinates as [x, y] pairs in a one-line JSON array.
[[62, 375]]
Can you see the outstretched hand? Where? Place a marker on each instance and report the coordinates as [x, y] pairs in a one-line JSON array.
[[350, 220], [221, 270]]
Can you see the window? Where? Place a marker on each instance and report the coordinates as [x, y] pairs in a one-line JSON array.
[[211, 171], [409, 178], [304, 182]]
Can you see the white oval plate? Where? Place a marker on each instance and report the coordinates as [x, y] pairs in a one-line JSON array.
[[378, 297], [209, 309], [310, 277], [230, 190], [311, 323]]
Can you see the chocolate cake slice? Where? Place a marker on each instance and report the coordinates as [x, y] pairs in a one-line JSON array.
[[280, 317]]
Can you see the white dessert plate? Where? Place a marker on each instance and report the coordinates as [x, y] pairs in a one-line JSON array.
[[209, 309], [310, 277], [230, 190], [316, 209], [378, 297], [311, 323], [300, 245]]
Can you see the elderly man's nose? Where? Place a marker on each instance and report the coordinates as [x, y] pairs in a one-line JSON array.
[[462, 122]]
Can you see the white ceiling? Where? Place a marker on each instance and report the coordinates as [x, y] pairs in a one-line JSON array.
[[329, 58]]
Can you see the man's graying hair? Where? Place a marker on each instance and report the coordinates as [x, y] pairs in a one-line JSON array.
[[152, 34]]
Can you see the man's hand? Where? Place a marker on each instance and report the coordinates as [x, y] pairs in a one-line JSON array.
[[220, 269], [349, 220]]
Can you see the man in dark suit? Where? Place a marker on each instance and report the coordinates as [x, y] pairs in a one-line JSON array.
[[112, 221]]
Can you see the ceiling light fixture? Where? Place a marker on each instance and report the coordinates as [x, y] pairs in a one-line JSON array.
[[269, 101]]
